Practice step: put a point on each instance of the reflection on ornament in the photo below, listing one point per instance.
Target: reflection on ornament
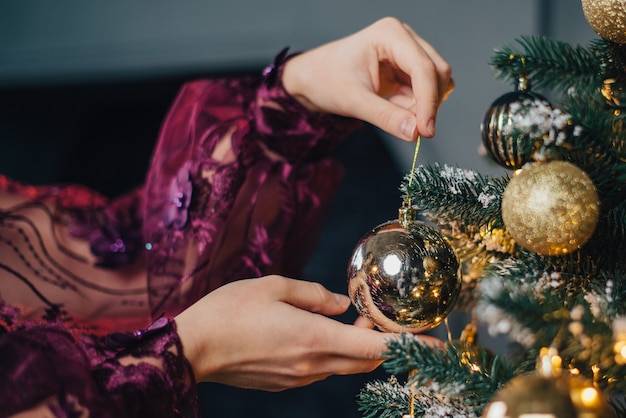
(607, 18)
(404, 279)
(550, 208)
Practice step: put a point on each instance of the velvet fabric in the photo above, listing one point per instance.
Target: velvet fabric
(238, 186)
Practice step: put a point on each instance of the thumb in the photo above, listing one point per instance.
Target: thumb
(313, 297)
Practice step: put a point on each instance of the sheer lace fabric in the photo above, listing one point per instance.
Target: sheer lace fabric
(239, 184)
(50, 371)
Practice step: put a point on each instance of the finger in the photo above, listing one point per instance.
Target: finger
(413, 60)
(355, 342)
(366, 344)
(345, 365)
(363, 322)
(444, 71)
(449, 90)
(430, 76)
(430, 340)
(405, 102)
(337, 364)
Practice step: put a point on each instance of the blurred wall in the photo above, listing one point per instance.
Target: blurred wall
(77, 41)
(44, 42)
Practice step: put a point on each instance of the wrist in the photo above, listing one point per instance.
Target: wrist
(295, 79)
(190, 346)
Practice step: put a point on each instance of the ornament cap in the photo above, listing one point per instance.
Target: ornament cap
(523, 84)
(406, 215)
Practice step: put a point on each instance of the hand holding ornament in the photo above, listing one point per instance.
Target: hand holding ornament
(273, 333)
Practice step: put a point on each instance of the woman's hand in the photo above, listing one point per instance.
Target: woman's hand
(273, 334)
(384, 74)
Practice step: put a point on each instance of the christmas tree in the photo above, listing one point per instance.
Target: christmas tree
(542, 250)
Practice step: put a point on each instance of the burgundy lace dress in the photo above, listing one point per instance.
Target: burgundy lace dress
(238, 186)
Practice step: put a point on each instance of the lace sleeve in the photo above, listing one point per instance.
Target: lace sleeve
(50, 371)
(239, 186)
(66, 247)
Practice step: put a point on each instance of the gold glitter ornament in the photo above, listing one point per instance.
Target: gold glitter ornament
(404, 276)
(607, 18)
(550, 208)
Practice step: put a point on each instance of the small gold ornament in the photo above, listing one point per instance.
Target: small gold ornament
(534, 395)
(550, 208)
(607, 18)
(548, 392)
(404, 276)
(508, 142)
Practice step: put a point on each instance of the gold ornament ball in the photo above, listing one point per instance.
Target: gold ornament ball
(550, 208)
(607, 18)
(535, 395)
(404, 279)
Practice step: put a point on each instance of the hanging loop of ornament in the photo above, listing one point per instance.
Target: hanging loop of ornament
(406, 214)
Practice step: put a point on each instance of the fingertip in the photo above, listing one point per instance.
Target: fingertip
(429, 340)
(363, 322)
(408, 128)
(430, 128)
(342, 300)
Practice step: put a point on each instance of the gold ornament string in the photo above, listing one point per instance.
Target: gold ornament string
(417, 148)
(406, 214)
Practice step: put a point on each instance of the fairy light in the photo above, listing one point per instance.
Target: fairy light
(549, 362)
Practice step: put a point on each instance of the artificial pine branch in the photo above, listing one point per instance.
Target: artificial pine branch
(380, 399)
(459, 370)
(464, 203)
(579, 74)
(611, 57)
(547, 309)
(391, 400)
(549, 64)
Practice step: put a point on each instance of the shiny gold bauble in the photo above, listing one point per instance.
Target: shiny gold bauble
(607, 18)
(404, 279)
(534, 395)
(550, 208)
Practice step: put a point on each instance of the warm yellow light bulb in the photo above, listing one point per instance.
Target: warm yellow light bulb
(589, 397)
